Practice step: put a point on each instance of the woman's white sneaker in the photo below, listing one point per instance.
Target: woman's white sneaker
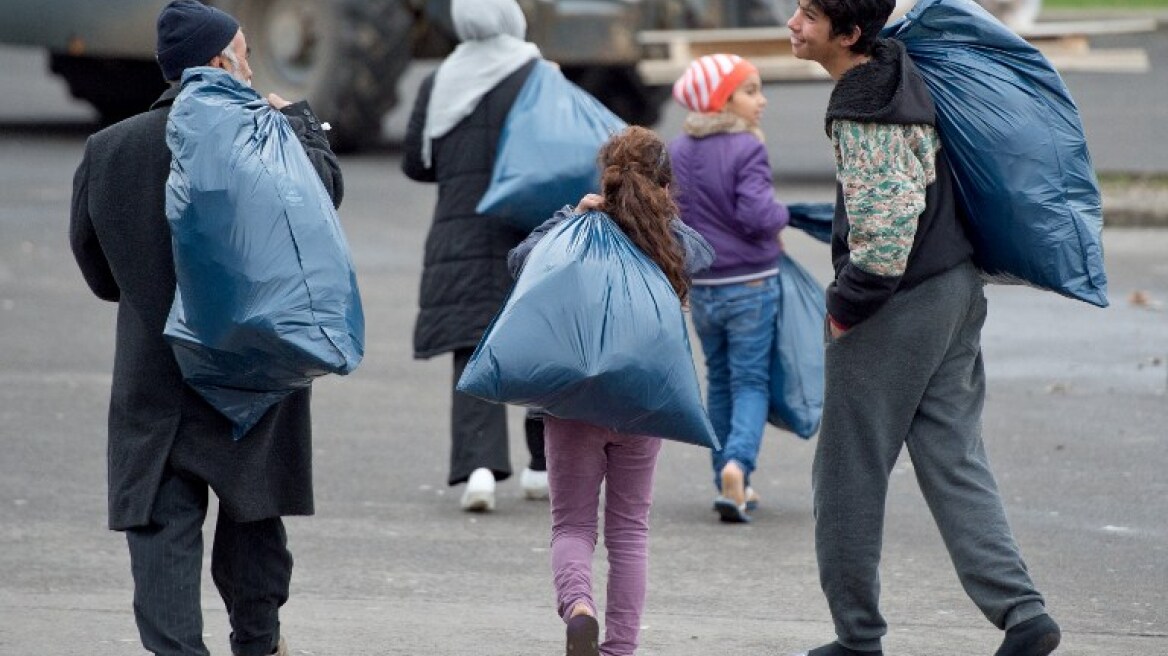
(534, 483)
(479, 495)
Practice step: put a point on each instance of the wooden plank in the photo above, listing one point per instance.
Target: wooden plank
(770, 69)
(1065, 43)
(1111, 60)
(1041, 30)
(1100, 27)
(722, 34)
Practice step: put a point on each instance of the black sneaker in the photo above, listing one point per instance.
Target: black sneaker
(836, 649)
(1037, 636)
(730, 512)
(583, 636)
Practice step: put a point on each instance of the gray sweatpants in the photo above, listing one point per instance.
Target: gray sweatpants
(912, 375)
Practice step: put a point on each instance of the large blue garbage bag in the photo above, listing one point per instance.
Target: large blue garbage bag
(593, 331)
(266, 296)
(796, 392)
(547, 149)
(1017, 147)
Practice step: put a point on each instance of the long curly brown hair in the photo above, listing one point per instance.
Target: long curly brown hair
(634, 178)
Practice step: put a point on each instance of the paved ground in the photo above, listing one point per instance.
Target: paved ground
(1078, 402)
(1074, 424)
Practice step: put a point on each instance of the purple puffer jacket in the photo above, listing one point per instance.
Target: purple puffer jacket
(723, 186)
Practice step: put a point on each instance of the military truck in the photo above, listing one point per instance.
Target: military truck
(346, 56)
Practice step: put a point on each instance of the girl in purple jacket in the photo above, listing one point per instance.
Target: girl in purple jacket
(723, 187)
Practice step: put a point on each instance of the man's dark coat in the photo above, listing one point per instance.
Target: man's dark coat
(121, 240)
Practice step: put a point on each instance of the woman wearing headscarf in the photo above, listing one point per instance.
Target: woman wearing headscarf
(452, 137)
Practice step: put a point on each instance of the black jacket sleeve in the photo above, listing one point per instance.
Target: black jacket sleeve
(412, 164)
(316, 145)
(87, 249)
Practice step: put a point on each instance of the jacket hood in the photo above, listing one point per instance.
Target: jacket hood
(886, 89)
(479, 20)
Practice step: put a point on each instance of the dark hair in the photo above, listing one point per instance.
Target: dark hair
(846, 15)
(634, 174)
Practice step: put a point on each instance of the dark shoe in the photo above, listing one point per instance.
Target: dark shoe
(731, 504)
(836, 649)
(281, 648)
(1037, 636)
(583, 636)
(730, 512)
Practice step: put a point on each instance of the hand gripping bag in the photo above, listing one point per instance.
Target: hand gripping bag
(547, 149)
(593, 331)
(266, 296)
(796, 386)
(1016, 143)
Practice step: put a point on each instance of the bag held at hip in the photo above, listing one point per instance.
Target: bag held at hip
(593, 331)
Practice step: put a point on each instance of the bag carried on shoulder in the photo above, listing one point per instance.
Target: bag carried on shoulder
(796, 398)
(266, 296)
(1017, 147)
(593, 331)
(547, 149)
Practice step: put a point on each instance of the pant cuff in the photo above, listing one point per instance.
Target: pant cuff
(1024, 611)
(566, 611)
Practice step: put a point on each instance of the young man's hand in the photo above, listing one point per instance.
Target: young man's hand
(836, 328)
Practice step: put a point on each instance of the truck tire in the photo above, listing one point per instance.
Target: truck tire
(343, 56)
(117, 88)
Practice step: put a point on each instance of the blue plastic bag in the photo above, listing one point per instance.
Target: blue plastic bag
(547, 150)
(593, 331)
(266, 296)
(813, 218)
(1017, 147)
(796, 398)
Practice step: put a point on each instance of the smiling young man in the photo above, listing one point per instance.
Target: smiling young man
(903, 361)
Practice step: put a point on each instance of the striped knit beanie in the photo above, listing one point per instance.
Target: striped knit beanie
(710, 80)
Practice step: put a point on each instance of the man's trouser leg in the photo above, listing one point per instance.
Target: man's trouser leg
(876, 375)
(252, 569)
(954, 474)
(166, 559)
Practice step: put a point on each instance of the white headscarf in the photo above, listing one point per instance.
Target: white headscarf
(492, 48)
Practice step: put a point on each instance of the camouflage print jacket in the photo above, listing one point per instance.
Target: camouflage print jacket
(897, 222)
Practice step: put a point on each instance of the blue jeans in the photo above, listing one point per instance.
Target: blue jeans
(736, 325)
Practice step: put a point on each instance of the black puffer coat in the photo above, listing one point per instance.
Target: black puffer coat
(464, 275)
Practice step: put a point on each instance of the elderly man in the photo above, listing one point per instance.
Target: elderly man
(167, 446)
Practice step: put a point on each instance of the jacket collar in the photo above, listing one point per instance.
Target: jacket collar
(167, 97)
(699, 125)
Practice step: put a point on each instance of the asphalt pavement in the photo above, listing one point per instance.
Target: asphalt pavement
(1074, 424)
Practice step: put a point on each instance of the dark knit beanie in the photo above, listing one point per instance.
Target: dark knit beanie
(190, 34)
